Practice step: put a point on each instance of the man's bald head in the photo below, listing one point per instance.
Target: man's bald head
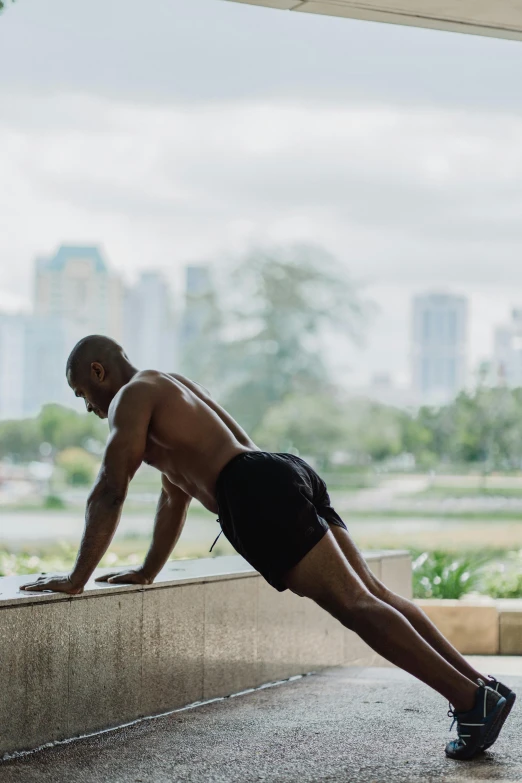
(94, 348)
(96, 370)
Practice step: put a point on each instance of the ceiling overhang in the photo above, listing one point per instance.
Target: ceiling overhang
(494, 18)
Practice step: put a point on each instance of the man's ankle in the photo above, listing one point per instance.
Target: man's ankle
(466, 703)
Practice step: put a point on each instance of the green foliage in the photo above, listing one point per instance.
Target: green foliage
(483, 427)
(504, 585)
(60, 559)
(313, 424)
(78, 466)
(54, 502)
(60, 427)
(20, 440)
(262, 340)
(34, 562)
(64, 428)
(441, 574)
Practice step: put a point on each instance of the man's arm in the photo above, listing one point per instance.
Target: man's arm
(171, 513)
(122, 458)
(200, 391)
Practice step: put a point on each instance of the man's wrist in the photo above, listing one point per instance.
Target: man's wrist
(76, 582)
(148, 573)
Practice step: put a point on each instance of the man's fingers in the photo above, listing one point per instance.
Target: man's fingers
(38, 587)
(125, 578)
(31, 585)
(105, 577)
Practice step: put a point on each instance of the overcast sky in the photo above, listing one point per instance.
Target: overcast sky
(188, 130)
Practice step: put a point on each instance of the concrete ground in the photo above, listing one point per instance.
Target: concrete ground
(355, 725)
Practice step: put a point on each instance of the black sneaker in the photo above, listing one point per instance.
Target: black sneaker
(478, 726)
(510, 698)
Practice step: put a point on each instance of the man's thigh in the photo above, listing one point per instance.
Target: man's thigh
(354, 556)
(325, 576)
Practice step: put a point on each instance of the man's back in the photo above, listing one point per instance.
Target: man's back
(189, 437)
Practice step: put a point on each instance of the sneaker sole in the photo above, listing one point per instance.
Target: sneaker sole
(510, 700)
(500, 708)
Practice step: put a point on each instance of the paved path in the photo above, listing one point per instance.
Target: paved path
(373, 725)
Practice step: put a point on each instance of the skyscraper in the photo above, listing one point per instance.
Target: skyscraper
(198, 290)
(76, 285)
(150, 336)
(75, 294)
(12, 365)
(507, 351)
(439, 346)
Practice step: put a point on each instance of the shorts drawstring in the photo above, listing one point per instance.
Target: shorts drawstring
(212, 547)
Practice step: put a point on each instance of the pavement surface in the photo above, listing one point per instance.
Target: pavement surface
(356, 725)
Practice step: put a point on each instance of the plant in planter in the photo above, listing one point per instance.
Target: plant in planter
(504, 579)
(441, 574)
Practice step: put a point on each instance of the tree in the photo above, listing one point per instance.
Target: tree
(313, 424)
(78, 466)
(283, 303)
(201, 327)
(63, 427)
(20, 440)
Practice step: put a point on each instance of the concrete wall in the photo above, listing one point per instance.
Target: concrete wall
(204, 629)
(478, 626)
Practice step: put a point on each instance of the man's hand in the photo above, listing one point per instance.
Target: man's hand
(133, 576)
(58, 584)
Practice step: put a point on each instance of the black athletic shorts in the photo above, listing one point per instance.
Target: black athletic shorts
(274, 509)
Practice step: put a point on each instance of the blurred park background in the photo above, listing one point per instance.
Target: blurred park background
(443, 481)
(317, 219)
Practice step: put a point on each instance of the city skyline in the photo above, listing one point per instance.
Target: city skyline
(153, 322)
(407, 168)
(388, 329)
(77, 292)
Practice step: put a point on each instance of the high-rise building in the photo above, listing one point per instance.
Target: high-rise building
(48, 343)
(198, 291)
(439, 346)
(200, 328)
(150, 335)
(75, 294)
(77, 286)
(12, 365)
(507, 351)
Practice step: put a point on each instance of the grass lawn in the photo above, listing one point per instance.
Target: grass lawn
(440, 492)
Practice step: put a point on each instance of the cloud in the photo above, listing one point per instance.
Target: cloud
(399, 194)
(190, 131)
(211, 51)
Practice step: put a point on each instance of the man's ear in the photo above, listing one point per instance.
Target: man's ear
(97, 371)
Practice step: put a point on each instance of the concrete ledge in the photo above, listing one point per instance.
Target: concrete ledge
(206, 628)
(478, 626)
(471, 626)
(510, 626)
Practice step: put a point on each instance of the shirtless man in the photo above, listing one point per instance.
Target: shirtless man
(273, 508)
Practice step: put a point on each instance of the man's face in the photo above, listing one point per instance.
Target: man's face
(93, 400)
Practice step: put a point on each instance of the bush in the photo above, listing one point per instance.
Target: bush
(54, 502)
(444, 575)
(508, 586)
(78, 465)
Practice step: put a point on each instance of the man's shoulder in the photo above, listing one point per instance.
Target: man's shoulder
(190, 384)
(140, 391)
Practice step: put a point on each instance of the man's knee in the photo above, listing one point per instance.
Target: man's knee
(351, 608)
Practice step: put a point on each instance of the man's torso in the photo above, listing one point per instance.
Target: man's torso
(187, 440)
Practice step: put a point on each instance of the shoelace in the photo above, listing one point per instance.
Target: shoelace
(453, 714)
(212, 547)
